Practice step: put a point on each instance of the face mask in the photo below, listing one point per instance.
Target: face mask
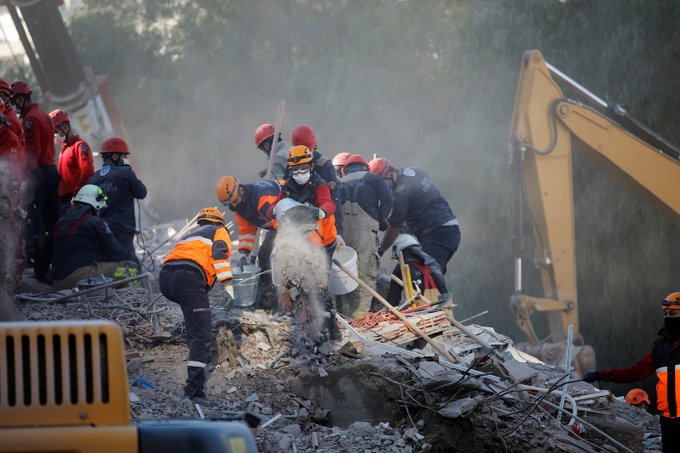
(302, 177)
(672, 326)
(58, 139)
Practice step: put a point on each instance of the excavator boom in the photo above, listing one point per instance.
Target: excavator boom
(544, 124)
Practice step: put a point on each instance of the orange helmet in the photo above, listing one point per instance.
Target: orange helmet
(303, 135)
(210, 215)
(671, 302)
(299, 155)
(379, 165)
(263, 132)
(355, 159)
(58, 117)
(114, 145)
(20, 87)
(227, 189)
(5, 88)
(637, 396)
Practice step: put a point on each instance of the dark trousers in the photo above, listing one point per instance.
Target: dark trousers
(441, 243)
(186, 286)
(670, 434)
(42, 214)
(266, 293)
(127, 240)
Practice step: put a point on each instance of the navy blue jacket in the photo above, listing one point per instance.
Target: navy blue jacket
(258, 199)
(418, 203)
(369, 191)
(82, 238)
(121, 186)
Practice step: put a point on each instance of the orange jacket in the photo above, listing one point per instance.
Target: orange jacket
(209, 246)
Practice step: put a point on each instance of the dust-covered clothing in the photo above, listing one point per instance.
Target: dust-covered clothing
(81, 239)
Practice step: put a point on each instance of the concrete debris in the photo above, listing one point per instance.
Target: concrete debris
(365, 393)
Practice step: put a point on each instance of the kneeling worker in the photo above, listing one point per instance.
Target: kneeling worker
(200, 258)
(84, 245)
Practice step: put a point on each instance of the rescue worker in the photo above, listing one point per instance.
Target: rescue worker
(638, 398)
(664, 360)
(10, 114)
(11, 147)
(43, 209)
(75, 161)
(420, 209)
(122, 186)
(339, 162)
(264, 139)
(83, 243)
(304, 185)
(198, 260)
(323, 166)
(367, 201)
(251, 204)
(422, 267)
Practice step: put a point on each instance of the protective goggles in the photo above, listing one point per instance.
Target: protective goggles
(670, 304)
(300, 169)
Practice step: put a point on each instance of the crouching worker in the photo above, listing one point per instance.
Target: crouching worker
(84, 245)
(190, 270)
(424, 269)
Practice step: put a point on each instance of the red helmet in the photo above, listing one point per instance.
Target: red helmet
(380, 166)
(114, 145)
(354, 159)
(5, 88)
(58, 117)
(340, 159)
(20, 87)
(263, 133)
(637, 396)
(303, 135)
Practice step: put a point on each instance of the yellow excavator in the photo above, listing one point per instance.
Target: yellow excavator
(544, 127)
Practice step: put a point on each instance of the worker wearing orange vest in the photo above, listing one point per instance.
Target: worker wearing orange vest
(75, 161)
(198, 260)
(306, 187)
(664, 360)
(250, 204)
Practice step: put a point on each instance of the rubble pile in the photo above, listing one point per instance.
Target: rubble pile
(374, 391)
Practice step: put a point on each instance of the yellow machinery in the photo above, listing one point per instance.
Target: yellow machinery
(64, 388)
(543, 125)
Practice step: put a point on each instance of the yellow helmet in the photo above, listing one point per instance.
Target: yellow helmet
(210, 215)
(227, 189)
(299, 155)
(671, 302)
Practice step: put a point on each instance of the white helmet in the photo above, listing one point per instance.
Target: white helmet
(92, 195)
(403, 241)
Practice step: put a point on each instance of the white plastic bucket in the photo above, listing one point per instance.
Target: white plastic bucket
(245, 285)
(339, 282)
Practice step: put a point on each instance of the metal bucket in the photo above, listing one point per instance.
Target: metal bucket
(339, 282)
(245, 284)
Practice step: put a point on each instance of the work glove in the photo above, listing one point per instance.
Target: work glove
(126, 162)
(591, 376)
(229, 289)
(242, 261)
(383, 225)
(381, 252)
(263, 173)
(321, 214)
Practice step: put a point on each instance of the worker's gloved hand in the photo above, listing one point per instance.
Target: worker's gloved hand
(383, 225)
(242, 261)
(591, 376)
(229, 289)
(125, 162)
(321, 214)
(381, 252)
(251, 259)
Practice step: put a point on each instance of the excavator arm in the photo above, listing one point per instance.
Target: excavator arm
(544, 124)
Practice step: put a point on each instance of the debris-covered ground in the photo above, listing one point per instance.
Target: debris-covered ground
(374, 391)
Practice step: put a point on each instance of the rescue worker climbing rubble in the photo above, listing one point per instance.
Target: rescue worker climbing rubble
(198, 260)
(84, 245)
(307, 187)
(323, 166)
(251, 204)
(367, 201)
(264, 139)
(75, 161)
(664, 360)
(119, 181)
(421, 210)
(42, 202)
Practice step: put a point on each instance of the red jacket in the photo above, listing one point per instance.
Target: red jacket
(11, 149)
(38, 138)
(15, 123)
(75, 166)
